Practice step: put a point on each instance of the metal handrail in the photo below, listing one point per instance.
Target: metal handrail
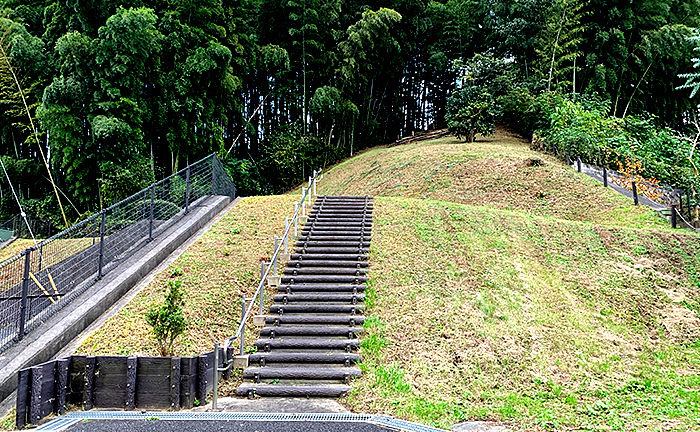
(280, 245)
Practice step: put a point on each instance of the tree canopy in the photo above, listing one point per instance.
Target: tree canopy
(126, 92)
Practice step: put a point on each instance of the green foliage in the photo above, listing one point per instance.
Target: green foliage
(119, 182)
(291, 156)
(245, 176)
(167, 320)
(692, 79)
(470, 110)
(584, 128)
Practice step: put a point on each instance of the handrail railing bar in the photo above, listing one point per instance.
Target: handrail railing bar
(265, 274)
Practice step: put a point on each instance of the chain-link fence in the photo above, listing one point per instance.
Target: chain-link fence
(35, 284)
(16, 227)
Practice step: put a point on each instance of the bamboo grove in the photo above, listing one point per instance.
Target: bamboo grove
(122, 93)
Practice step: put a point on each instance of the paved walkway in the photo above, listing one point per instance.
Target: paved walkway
(597, 173)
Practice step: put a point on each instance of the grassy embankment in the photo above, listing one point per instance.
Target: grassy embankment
(529, 295)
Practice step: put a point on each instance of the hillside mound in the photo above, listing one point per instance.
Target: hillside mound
(499, 171)
(476, 313)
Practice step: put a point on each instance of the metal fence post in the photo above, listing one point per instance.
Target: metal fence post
(215, 390)
(25, 293)
(150, 218)
(296, 209)
(568, 160)
(634, 192)
(213, 175)
(242, 336)
(315, 175)
(286, 230)
(673, 216)
(102, 246)
(578, 163)
(605, 176)
(187, 190)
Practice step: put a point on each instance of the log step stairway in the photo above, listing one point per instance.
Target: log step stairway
(312, 332)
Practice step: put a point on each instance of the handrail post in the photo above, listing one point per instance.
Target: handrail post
(262, 289)
(296, 210)
(634, 192)
(673, 216)
(102, 245)
(275, 263)
(215, 390)
(242, 336)
(578, 163)
(187, 190)
(25, 293)
(150, 219)
(286, 230)
(308, 192)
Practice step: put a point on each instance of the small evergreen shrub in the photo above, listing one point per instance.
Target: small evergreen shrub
(167, 320)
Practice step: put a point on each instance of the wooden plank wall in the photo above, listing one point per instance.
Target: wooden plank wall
(116, 382)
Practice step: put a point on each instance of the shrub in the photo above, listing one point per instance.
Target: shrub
(470, 110)
(167, 320)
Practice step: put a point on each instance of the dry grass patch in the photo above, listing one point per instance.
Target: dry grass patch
(548, 324)
(17, 246)
(218, 269)
(495, 171)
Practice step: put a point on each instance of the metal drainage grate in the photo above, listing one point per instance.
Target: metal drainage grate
(59, 424)
(63, 423)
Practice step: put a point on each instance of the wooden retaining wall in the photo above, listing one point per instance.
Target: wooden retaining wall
(116, 382)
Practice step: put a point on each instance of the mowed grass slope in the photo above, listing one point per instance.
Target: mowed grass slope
(491, 172)
(478, 313)
(217, 270)
(484, 304)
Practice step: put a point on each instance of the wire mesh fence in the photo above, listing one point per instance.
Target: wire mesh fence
(25, 227)
(37, 283)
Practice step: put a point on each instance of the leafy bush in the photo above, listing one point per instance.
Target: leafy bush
(291, 156)
(581, 126)
(245, 176)
(528, 113)
(167, 320)
(470, 110)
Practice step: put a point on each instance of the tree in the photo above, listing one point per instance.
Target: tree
(470, 110)
(557, 43)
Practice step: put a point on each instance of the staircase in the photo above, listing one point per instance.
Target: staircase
(309, 342)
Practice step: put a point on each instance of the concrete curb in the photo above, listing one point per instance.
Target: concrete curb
(40, 346)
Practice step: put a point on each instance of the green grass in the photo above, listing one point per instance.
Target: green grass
(525, 295)
(490, 172)
(478, 313)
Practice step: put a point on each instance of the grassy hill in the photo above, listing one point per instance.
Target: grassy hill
(528, 295)
(487, 314)
(496, 172)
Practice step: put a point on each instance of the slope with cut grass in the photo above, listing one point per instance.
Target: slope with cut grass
(498, 292)
(496, 171)
(479, 313)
